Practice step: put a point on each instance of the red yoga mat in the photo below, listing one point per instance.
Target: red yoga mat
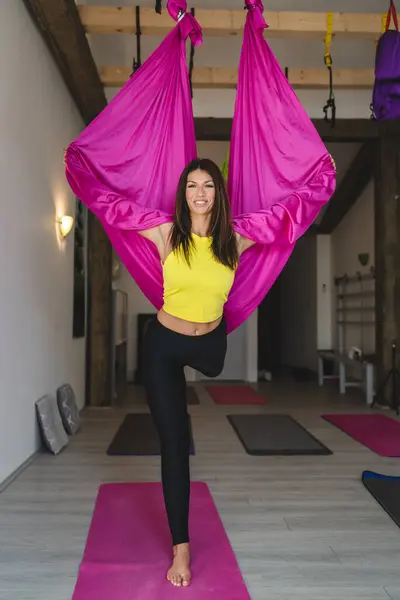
(128, 550)
(379, 433)
(234, 394)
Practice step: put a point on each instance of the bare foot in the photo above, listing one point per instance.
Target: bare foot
(179, 573)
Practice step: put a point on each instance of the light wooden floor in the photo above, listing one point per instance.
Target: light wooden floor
(302, 528)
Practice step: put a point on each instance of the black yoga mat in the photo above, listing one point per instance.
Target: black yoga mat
(386, 490)
(137, 436)
(263, 435)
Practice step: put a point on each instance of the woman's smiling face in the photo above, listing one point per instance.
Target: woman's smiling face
(200, 192)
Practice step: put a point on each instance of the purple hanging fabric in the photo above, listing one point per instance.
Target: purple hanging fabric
(280, 173)
(126, 164)
(386, 93)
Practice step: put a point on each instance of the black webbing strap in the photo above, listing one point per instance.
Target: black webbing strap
(331, 103)
(137, 62)
(191, 63)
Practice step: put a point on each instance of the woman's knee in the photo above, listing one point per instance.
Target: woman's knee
(214, 369)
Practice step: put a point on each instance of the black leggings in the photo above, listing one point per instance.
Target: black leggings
(165, 355)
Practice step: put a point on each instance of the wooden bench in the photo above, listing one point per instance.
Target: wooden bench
(342, 361)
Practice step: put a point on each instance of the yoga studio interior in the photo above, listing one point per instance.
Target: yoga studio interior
(295, 444)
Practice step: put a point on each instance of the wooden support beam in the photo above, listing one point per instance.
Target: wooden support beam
(99, 337)
(345, 130)
(353, 184)
(202, 77)
(122, 19)
(61, 28)
(342, 78)
(224, 78)
(387, 256)
(213, 129)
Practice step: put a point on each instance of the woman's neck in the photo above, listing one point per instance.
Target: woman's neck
(200, 226)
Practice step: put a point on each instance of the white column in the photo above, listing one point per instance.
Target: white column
(324, 293)
(252, 347)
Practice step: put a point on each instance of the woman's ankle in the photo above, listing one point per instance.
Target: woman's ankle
(181, 547)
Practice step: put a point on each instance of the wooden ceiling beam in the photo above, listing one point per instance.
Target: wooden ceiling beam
(345, 130)
(224, 78)
(61, 28)
(357, 177)
(122, 20)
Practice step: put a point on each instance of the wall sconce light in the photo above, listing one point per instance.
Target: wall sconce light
(65, 224)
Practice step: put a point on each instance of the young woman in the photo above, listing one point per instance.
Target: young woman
(199, 253)
(280, 178)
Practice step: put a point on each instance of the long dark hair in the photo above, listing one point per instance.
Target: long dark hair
(224, 244)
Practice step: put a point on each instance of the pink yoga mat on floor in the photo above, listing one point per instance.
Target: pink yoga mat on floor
(234, 394)
(377, 432)
(128, 550)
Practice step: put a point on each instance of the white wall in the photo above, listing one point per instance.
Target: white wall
(216, 151)
(37, 120)
(336, 255)
(355, 235)
(299, 306)
(347, 240)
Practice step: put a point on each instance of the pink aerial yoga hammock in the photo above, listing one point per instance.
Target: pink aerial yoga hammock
(126, 164)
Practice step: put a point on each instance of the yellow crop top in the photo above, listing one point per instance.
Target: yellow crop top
(196, 292)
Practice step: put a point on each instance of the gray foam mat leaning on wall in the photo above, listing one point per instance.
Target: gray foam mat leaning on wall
(68, 409)
(50, 423)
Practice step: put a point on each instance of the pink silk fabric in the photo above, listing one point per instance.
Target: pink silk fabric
(126, 164)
